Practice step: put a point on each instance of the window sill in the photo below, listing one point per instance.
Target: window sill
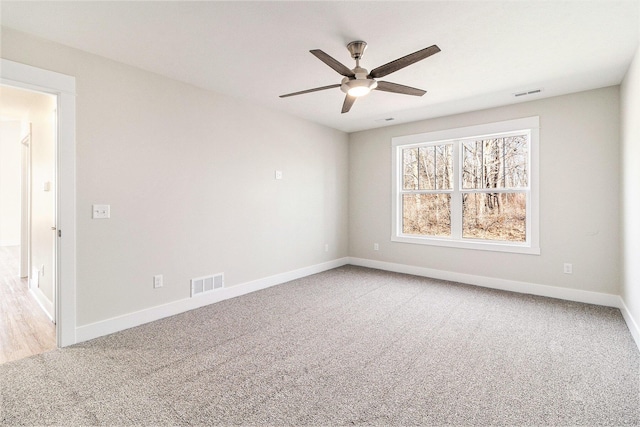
(516, 248)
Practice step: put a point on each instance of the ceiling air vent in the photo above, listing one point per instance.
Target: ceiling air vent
(527, 92)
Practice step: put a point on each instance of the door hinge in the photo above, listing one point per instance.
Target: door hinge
(59, 233)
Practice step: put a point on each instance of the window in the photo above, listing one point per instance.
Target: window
(472, 187)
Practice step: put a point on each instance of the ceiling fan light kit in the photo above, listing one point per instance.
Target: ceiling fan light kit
(358, 87)
(359, 82)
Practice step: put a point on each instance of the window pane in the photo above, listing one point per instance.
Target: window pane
(436, 167)
(427, 168)
(495, 163)
(495, 216)
(410, 169)
(444, 167)
(516, 161)
(426, 214)
(472, 164)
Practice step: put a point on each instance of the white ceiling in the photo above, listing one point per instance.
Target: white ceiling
(259, 50)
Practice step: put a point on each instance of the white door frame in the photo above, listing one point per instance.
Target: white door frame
(33, 78)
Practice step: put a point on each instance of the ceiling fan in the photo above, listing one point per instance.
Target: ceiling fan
(358, 82)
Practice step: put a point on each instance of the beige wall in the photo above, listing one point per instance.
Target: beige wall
(630, 107)
(189, 175)
(579, 196)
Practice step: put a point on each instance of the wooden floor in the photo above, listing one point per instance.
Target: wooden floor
(24, 328)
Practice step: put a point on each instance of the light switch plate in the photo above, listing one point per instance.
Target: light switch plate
(101, 211)
(278, 174)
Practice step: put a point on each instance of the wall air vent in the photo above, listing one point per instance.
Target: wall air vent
(527, 92)
(206, 284)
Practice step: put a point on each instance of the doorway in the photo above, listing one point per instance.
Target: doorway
(63, 270)
(28, 250)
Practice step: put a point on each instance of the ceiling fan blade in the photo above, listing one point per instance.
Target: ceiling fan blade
(348, 103)
(405, 61)
(333, 63)
(396, 88)
(310, 90)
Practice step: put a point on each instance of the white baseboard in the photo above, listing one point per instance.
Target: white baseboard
(115, 324)
(577, 295)
(43, 302)
(631, 323)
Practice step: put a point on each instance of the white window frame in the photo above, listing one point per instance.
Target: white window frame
(529, 125)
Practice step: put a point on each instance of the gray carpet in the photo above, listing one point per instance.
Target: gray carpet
(347, 346)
